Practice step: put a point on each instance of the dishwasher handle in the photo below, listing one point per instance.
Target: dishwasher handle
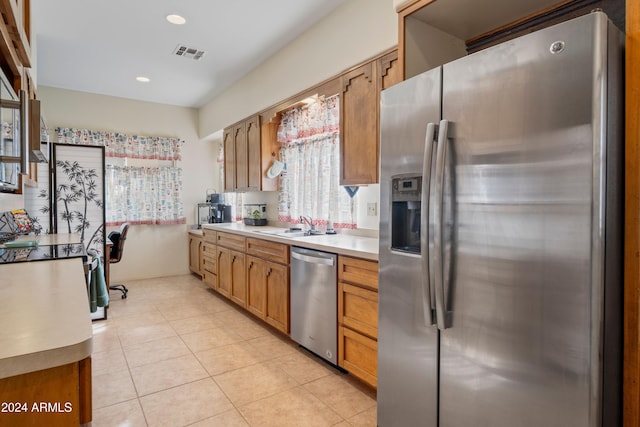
(312, 258)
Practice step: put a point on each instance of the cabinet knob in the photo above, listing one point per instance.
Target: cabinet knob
(269, 272)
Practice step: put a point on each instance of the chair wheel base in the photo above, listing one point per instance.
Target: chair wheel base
(121, 288)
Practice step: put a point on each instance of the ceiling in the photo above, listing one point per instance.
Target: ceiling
(99, 46)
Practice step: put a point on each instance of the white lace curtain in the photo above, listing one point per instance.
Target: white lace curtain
(141, 195)
(309, 185)
(137, 194)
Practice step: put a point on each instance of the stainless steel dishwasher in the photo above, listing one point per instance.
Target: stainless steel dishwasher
(314, 305)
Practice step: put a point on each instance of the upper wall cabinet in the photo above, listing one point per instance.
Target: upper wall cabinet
(14, 44)
(432, 33)
(359, 118)
(249, 148)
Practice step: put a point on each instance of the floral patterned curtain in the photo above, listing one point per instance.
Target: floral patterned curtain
(138, 195)
(125, 146)
(309, 185)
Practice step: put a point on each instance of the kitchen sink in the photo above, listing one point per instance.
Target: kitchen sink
(286, 233)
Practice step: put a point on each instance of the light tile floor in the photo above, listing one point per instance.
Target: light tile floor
(175, 353)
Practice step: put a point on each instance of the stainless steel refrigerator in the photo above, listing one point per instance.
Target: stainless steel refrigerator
(501, 194)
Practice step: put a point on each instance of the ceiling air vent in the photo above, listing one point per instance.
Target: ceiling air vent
(188, 52)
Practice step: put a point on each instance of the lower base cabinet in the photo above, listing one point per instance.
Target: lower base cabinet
(358, 354)
(195, 254)
(209, 260)
(358, 318)
(268, 282)
(54, 397)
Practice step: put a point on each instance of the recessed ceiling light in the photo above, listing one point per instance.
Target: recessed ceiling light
(143, 79)
(176, 19)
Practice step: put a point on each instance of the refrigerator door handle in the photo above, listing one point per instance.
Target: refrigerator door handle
(437, 256)
(427, 303)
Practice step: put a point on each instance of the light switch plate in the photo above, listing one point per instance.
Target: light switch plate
(372, 209)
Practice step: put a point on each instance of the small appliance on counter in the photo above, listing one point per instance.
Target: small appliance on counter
(213, 211)
(255, 214)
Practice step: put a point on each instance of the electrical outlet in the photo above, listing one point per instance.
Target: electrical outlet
(372, 209)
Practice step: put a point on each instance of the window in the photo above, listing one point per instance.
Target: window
(309, 184)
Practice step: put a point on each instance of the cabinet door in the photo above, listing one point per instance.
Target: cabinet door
(388, 70)
(254, 149)
(195, 244)
(224, 271)
(277, 284)
(240, 143)
(256, 287)
(359, 127)
(238, 278)
(358, 354)
(229, 161)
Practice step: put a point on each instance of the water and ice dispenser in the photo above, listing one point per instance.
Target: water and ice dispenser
(405, 213)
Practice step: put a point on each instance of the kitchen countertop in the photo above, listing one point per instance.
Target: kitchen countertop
(342, 244)
(44, 316)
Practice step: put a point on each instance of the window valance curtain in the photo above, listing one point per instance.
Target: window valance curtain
(137, 194)
(310, 183)
(126, 146)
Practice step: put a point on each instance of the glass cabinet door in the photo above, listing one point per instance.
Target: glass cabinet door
(10, 143)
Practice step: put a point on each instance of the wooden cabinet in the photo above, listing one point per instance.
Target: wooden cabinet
(358, 318)
(253, 171)
(389, 72)
(238, 282)
(195, 254)
(359, 118)
(249, 149)
(256, 289)
(241, 149)
(268, 282)
(223, 260)
(230, 259)
(209, 260)
(229, 161)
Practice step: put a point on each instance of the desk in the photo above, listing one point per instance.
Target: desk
(45, 341)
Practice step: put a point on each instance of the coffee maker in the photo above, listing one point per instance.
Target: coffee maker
(219, 212)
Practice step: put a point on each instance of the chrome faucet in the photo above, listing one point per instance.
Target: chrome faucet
(307, 220)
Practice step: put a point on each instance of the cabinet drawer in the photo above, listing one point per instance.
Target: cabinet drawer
(358, 309)
(231, 241)
(208, 250)
(209, 236)
(358, 271)
(210, 261)
(358, 355)
(211, 279)
(272, 251)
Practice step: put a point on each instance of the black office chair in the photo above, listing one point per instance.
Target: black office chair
(118, 238)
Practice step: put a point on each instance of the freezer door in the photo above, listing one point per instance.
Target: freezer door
(525, 230)
(407, 341)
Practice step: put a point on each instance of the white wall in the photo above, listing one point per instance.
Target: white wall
(150, 251)
(356, 31)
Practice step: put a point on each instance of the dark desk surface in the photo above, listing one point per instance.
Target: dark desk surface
(42, 253)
